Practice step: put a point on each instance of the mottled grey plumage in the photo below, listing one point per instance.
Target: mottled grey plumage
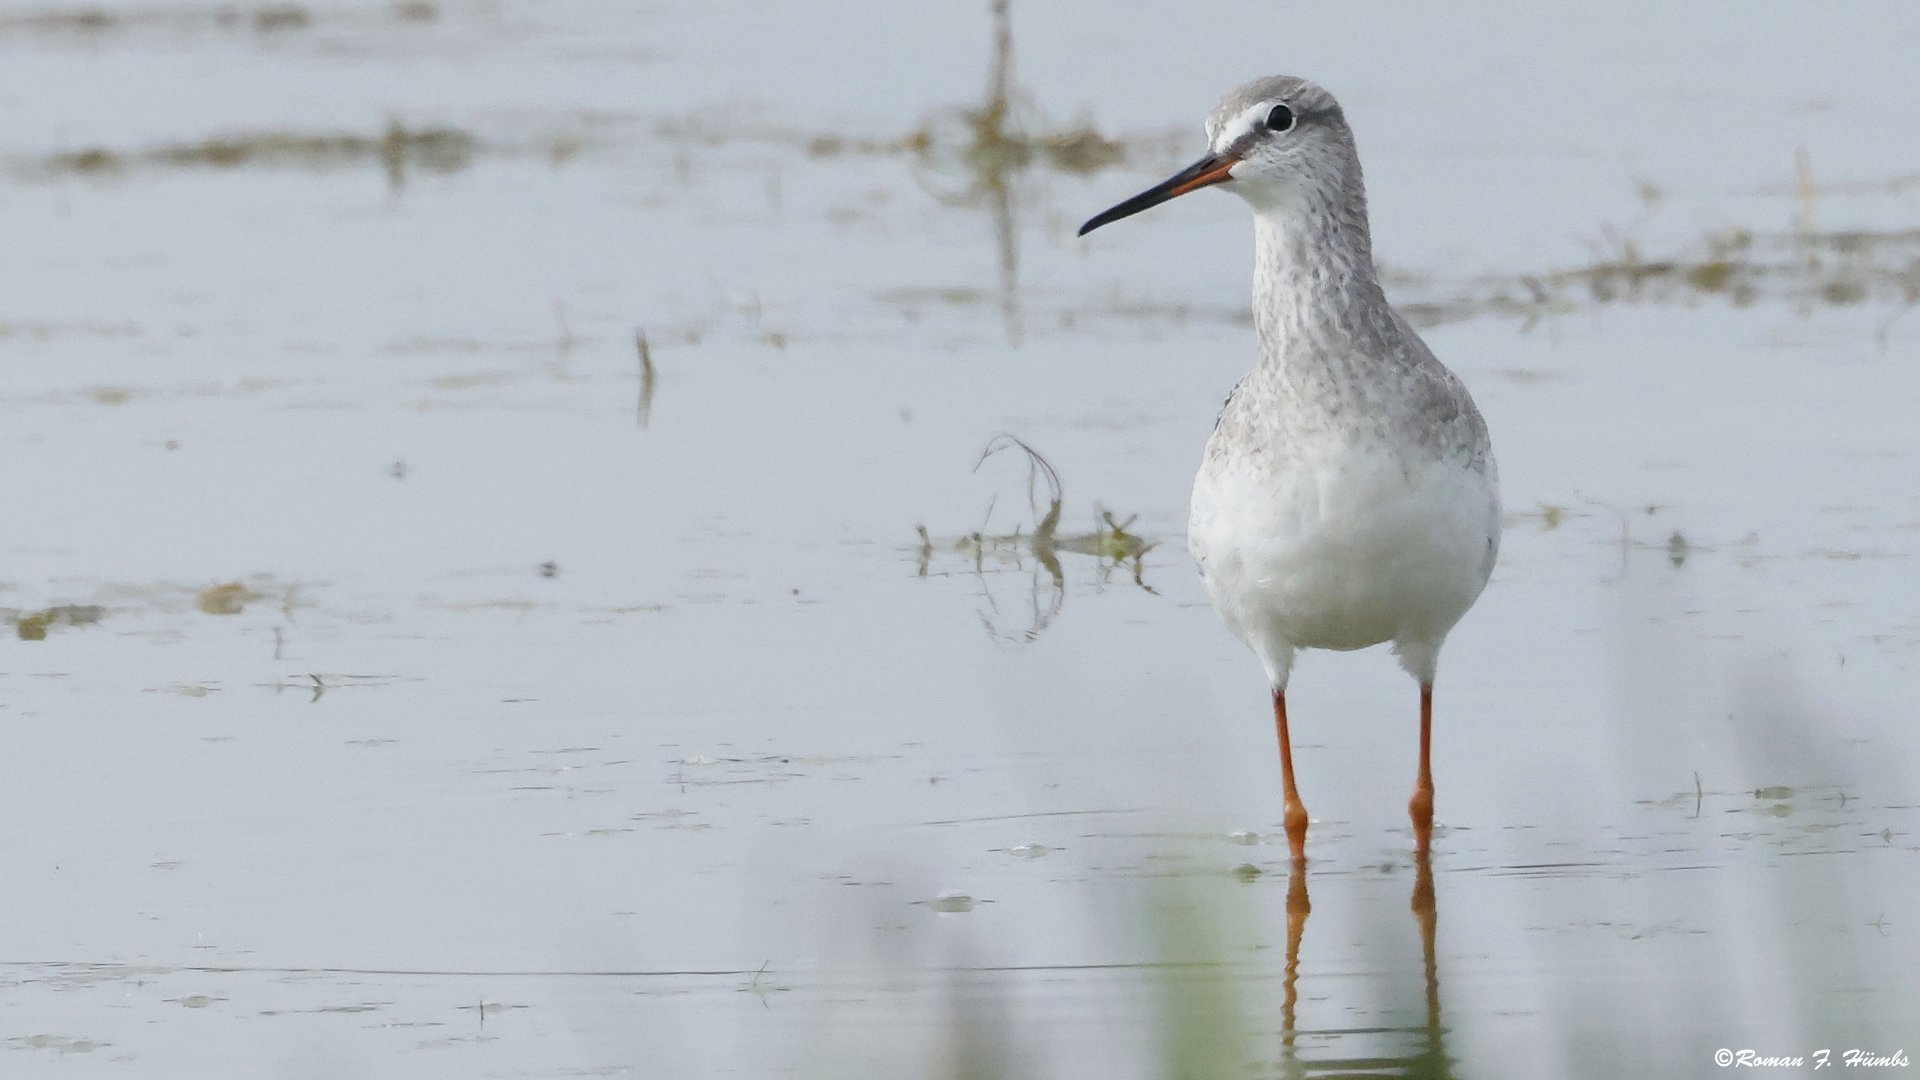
(1349, 456)
(1348, 494)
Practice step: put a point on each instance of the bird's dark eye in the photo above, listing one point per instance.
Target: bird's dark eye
(1280, 119)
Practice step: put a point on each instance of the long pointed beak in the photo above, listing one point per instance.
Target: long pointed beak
(1209, 170)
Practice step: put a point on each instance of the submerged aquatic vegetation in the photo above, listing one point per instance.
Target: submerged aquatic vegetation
(1000, 146)
(1737, 267)
(1111, 543)
(972, 156)
(436, 149)
(229, 599)
(260, 18)
(993, 139)
(282, 17)
(643, 412)
(399, 149)
(1741, 266)
(223, 598)
(33, 625)
(1800, 264)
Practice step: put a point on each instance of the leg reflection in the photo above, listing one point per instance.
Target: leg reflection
(1298, 908)
(1427, 1059)
(1432, 1061)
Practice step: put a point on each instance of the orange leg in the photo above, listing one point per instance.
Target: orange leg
(1420, 807)
(1296, 813)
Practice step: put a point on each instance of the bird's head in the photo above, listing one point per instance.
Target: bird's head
(1277, 142)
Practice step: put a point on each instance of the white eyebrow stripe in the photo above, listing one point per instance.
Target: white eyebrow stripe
(1251, 120)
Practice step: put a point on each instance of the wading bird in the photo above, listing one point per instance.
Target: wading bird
(1348, 495)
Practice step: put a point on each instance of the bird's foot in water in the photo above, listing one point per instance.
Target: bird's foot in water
(1420, 809)
(1296, 821)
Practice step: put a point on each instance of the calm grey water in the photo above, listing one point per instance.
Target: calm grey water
(570, 715)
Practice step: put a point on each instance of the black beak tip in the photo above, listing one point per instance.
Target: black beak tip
(1209, 170)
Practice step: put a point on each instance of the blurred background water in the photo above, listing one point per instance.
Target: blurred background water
(501, 578)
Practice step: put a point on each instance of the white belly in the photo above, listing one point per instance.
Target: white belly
(1342, 547)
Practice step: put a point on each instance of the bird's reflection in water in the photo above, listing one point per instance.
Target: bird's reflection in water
(1429, 1061)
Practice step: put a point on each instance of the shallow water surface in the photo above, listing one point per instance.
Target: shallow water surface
(500, 575)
